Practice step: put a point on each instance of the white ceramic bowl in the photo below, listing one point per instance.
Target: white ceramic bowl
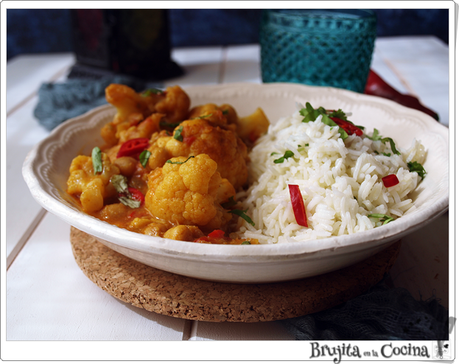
(46, 170)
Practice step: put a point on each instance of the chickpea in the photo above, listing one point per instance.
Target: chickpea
(127, 165)
(183, 232)
(155, 229)
(113, 211)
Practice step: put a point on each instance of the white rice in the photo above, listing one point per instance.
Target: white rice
(340, 181)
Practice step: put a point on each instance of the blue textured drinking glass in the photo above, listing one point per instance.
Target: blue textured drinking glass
(321, 47)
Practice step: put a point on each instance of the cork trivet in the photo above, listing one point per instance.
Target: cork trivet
(194, 299)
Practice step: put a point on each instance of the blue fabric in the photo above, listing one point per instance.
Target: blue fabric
(383, 313)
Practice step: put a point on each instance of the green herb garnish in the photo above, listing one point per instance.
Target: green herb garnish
(178, 134)
(392, 145)
(418, 168)
(376, 137)
(311, 114)
(287, 154)
(119, 182)
(242, 214)
(121, 186)
(229, 203)
(170, 162)
(165, 124)
(151, 91)
(202, 116)
(144, 156)
(246, 243)
(385, 219)
(96, 156)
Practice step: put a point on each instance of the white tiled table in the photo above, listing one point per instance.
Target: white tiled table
(47, 295)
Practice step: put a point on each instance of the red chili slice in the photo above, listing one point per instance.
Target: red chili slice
(298, 205)
(133, 147)
(202, 239)
(390, 180)
(347, 126)
(216, 234)
(136, 194)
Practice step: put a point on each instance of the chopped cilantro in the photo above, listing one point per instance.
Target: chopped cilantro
(178, 134)
(287, 154)
(165, 124)
(385, 219)
(311, 114)
(376, 137)
(418, 168)
(121, 186)
(151, 91)
(242, 214)
(96, 156)
(170, 162)
(229, 203)
(144, 156)
(203, 116)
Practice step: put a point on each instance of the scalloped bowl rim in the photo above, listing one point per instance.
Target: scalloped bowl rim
(232, 253)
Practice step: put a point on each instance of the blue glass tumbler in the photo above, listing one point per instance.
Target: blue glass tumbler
(321, 47)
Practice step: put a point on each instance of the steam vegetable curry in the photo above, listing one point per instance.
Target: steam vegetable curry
(166, 169)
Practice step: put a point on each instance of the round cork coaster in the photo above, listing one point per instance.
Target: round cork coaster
(189, 298)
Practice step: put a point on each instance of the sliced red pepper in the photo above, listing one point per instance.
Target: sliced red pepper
(217, 234)
(377, 86)
(390, 180)
(201, 239)
(215, 237)
(298, 205)
(133, 147)
(136, 194)
(347, 126)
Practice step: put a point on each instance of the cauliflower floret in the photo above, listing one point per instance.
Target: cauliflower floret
(132, 108)
(224, 115)
(159, 155)
(127, 101)
(175, 105)
(91, 188)
(248, 128)
(198, 136)
(186, 191)
(144, 129)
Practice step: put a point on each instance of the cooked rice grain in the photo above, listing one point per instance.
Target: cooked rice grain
(340, 181)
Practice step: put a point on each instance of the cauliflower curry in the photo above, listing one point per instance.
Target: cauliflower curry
(166, 169)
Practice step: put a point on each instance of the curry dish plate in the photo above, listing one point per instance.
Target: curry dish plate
(46, 170)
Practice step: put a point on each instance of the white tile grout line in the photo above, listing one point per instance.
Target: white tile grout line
(34, 224)
(222, 68)
(25, 238)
